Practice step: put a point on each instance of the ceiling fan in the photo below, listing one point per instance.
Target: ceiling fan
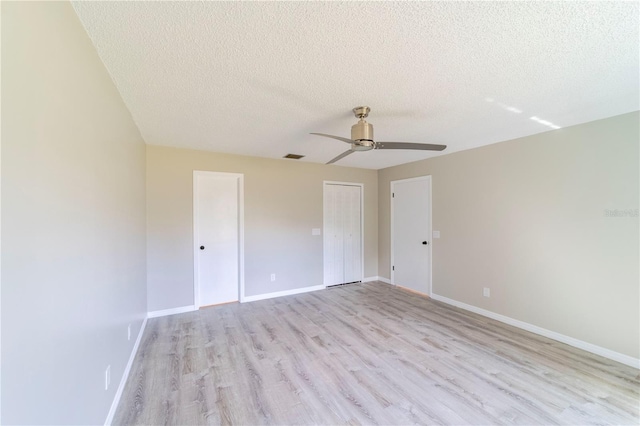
(362, 138)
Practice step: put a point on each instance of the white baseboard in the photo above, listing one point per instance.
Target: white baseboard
(385, 280)
(282, 293)
(580, 344)
(125, 376)
(376, 278)
(172, 311)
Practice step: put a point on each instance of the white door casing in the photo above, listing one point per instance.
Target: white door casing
(218, 236)
(343, 232)
(410, 230)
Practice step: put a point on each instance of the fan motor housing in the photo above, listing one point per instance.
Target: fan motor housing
(362, 131)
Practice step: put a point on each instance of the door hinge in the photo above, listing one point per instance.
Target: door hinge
(393, 195)
(393, 268)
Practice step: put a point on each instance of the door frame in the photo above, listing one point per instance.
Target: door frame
(361, 185)
(393, 183)
(196, 265)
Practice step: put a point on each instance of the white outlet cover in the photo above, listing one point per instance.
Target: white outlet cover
(436, 234)
(486, 292)
(315, 231)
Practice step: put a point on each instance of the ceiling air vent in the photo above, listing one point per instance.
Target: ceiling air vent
(293, 156)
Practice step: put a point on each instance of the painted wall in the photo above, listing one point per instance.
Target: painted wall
(528, 219)
(73, 221)
(283, 202)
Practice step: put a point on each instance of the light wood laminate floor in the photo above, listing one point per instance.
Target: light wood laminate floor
(365, 354)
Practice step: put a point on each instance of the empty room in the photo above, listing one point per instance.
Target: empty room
(320, 213)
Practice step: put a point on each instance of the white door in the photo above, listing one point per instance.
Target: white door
(342, 233)
(411, 234)
(216, 237)
(333, 243)
(351, 235)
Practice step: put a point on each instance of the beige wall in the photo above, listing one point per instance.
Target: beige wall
(526, 218)
(73, 221)
(283, 202)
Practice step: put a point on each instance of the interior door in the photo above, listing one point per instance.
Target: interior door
(411, 234)
(342, 233)
(216, 236)
(351, 234)
(332, 241)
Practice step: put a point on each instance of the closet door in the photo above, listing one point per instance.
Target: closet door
(342, 234)
(333, 247)
(351, 234)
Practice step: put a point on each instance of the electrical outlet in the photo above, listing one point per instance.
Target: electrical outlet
(129, 332)
(107, 377)
(273, 277)
(486, 292)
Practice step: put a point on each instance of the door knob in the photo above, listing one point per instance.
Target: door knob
(201, 247)
(425, 243)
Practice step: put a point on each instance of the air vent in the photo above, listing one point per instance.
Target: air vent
(293, 156)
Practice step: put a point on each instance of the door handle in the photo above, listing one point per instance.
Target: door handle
(201, 247)
(425, 243)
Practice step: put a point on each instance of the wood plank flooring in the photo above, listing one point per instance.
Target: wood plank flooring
(365, 354)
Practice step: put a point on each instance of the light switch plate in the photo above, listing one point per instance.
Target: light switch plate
(315, 231)
(436, 234)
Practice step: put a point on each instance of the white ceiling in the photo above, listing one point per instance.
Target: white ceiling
(255, 78)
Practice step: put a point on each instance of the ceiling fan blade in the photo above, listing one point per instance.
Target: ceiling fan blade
(407, 145)
(341, 156)
(333, 137)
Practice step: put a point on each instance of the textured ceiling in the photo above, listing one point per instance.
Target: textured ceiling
(254, 78)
